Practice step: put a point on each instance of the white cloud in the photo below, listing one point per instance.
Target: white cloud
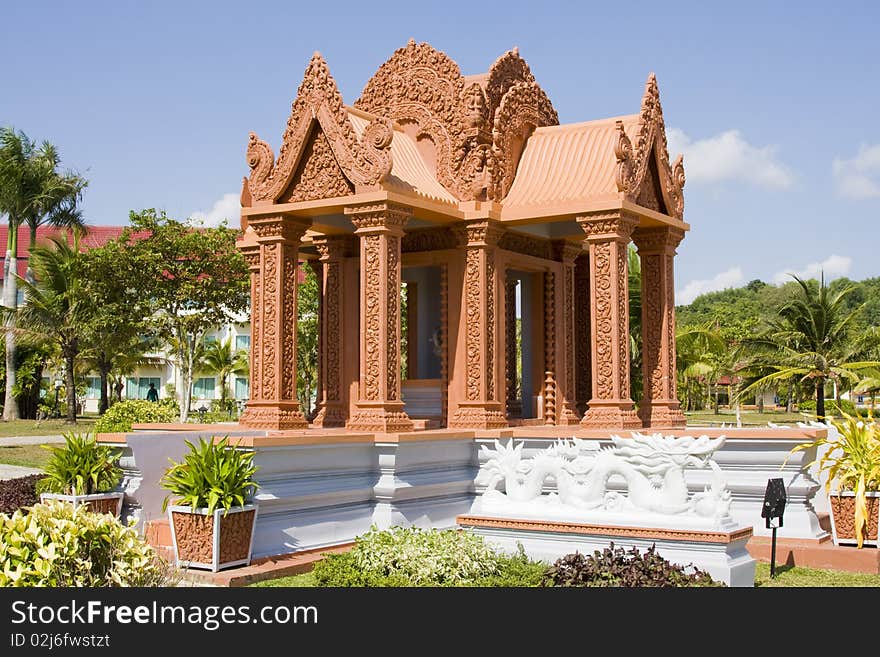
(731, 278)
(228, 207)
(834, 266)
(858, 177)
(727, 156)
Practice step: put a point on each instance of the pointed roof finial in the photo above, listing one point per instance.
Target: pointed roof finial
(515, 50)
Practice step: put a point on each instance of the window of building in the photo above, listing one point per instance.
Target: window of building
(243, 342)
(93, 387)
(242, 389)
(137, 387)
(203, 388)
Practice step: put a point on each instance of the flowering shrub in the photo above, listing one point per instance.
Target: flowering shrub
(57, 545)
(425, 557)
(122, 415)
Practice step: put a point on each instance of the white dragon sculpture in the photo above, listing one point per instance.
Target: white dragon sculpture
(652, 466)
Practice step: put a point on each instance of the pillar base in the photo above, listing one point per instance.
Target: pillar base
(477, 417)
(568, 416)
(611, 415)
(329, 415)
(662, 414)
(380, 420)
(273, 415)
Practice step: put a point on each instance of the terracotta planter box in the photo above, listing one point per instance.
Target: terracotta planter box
(843, 505)
(96, 503)
(212, 540)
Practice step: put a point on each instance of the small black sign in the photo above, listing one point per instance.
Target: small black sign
(774, 501)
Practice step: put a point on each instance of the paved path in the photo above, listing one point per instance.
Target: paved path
(16, 471)
(8, 441)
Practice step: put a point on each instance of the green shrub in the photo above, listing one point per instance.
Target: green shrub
(57, 545)
(617, 567)
(426, 557)
(81, 467)
(122, 415)
(212, 475)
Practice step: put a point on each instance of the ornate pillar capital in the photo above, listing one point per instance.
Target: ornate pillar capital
(662, 240)
(382, 217)
(278, 228)
(566, 252)
(614, 225)
(331, 248)
(480, 233)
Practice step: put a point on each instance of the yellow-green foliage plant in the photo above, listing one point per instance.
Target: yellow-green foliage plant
(852, 461)
(81, 467)
(54, 544)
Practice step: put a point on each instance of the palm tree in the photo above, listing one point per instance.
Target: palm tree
(812, 340)
(699, 356)
(222, 359)
(56, 306)
(120, 355)
(32, 192)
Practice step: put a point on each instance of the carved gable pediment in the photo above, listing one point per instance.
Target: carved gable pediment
(318, 174)
(365, 161)
(644, 173)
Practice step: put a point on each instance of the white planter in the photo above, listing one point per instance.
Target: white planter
(843, 528)
(214, 541)
(93, 501)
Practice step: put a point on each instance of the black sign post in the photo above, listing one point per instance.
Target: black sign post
(774, 507)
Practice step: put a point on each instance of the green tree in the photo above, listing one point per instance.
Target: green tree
(700, 356)
(811, 340)
(222, 359)
(193, 279)
(32, 192)
(56, 307)
(117, 329)
(307, 339)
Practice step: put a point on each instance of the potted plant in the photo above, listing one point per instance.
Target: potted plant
(83, 472)
(212, 519)
(851, 461)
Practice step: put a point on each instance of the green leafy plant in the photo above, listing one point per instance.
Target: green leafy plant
(425, 557)
(615, 566)
(54, 544)
(211, 476)
(122, 415)
(81, 467)
(852, 461)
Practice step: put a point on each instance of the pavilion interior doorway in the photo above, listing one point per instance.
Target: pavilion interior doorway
(421, 348)
(526, 373)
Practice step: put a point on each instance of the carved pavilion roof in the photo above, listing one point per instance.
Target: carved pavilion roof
(421, 129)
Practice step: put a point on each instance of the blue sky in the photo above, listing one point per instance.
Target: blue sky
(773, 104)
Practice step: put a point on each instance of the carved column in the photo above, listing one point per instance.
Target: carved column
(608, 235)
(444, 343)
(583, 354)
(379, 405)
(514, 401)
(549, 389)
(659, 407)
(273, 403)
(330, 411)
(566, 395)
(481, 408)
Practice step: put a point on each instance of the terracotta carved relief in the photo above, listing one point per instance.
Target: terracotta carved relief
(289, 313)
(317, 175)
(444, 342)
(474, 316)
(583, 371)
(476, 131)
(428, 239)
(622, 322)
(602, 347)
(392, 310)
(567, 253)
(526, 245)
(372, 318)
(365, 162)
(270, 319)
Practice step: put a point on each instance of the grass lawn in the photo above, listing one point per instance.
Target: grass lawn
(31, 456)
(786, 576)
(45, 427)
(748, 418)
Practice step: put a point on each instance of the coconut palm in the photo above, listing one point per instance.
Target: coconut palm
(32, 192)
(812, 341)
(222, 359)
(56, 305)
(699, 356)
